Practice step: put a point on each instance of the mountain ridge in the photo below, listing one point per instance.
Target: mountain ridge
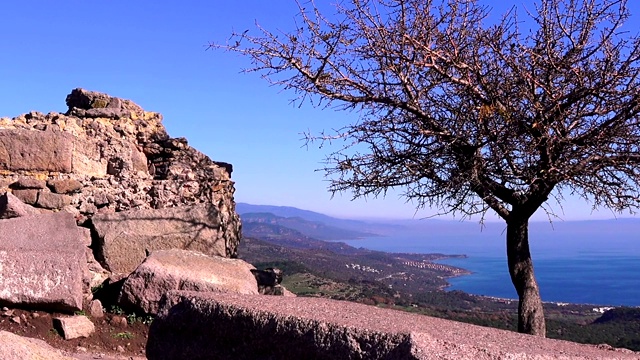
(314, 229)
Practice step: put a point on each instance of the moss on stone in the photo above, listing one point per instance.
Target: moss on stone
(99, 103)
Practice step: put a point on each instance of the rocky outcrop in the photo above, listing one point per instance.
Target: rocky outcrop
(169, 270)
(119, 186)
(42, 262)
(221, 326)
(107, 155)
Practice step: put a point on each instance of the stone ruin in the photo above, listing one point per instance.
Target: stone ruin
(105, 183)
(107, 155)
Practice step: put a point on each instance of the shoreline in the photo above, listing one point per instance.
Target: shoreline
(456, 272)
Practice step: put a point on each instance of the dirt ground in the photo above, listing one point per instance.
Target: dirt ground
(115, 335)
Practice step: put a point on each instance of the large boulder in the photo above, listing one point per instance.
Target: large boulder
(15, 347)
(200, 325)
(123, 238)
(42, 262)
(168, 270)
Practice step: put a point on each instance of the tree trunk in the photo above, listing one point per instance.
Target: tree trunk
(530, 313)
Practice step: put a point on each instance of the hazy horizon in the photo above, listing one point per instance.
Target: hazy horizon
(442, 218)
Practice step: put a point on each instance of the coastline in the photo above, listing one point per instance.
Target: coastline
(571, 267)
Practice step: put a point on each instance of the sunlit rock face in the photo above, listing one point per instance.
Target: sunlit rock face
(107, 155)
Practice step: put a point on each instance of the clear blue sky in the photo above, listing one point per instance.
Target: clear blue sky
(153, 52)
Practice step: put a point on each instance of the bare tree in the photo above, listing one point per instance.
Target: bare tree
(469, 115)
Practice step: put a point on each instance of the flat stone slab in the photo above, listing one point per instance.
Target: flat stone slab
(124, 237)
(42, 262)
(35, 150)
(209, 325)
(167, 270)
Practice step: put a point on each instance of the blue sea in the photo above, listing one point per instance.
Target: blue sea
(589, 262)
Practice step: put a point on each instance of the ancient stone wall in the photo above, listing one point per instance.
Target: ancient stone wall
(107, 155)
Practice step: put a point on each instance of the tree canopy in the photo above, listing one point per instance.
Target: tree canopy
(468, 112)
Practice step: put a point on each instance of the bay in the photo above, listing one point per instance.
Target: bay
(586, 262)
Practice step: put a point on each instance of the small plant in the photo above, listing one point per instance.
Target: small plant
(53, 332)
(147, 320)
(80, 312)
(116, 310)
(97, 288)
(125, 335)
(133, 318)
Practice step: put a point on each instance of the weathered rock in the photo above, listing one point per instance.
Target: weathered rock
(91, 100)
(277, 290)
(42, 262)
(64, 186)
(268, 277)
(28, 196)
(167, 270)
(269, 281)
(49, 200)
(108, 155)
(85, 236)
(28, 183)
(95, 309)
(11, 207)
(123, 237)
(35, 150)
(119, 321)
(73, 327)
(14, 347)
(97, 274)
(196, 325)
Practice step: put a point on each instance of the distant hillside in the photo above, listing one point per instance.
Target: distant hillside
(313, 229)
(284, 211)
(293, 239)
(380, 228)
